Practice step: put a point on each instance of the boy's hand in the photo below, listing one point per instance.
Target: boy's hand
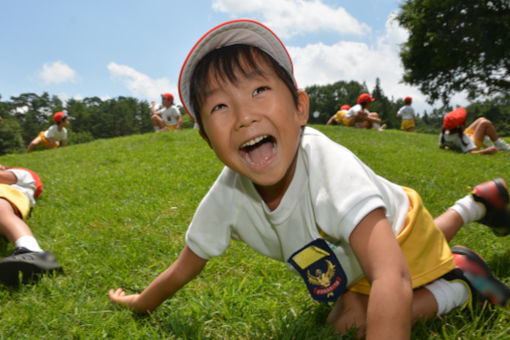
(119, 296)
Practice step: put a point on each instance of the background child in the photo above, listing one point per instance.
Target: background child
(360, 116)
(294, 195)
(53, 137)
(406, 113)
(168, 118)
(18, 190)
(456, 136)
(339, 116)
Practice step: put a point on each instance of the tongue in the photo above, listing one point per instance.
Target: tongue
(261, 153)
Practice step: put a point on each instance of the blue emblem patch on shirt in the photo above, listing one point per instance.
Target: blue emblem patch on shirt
(321, 270)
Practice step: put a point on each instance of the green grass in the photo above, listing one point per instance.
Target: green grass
(115, 213)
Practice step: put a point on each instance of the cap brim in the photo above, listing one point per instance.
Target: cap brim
(243, 31)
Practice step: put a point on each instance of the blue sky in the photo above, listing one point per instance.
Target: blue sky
(111, 48)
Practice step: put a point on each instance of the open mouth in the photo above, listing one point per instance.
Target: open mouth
(258, 150)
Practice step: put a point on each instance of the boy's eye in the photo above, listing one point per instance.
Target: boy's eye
(218, 107)
(260, 90)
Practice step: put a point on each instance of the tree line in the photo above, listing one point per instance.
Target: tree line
(24, 116)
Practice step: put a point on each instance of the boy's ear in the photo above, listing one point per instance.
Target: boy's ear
(303, 107)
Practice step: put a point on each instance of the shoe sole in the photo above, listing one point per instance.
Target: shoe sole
(491, 288)
(11, 272)
(501, 186)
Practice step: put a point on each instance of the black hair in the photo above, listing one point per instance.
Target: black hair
(458, 130)
(224, 62)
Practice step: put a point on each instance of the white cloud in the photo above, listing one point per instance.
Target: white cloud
(57, 72)
(139, 84)
(320, 64)
(295, 17)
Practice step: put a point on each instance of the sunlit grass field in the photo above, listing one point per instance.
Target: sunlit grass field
(115, 212)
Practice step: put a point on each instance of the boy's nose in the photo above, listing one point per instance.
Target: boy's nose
(246, 117)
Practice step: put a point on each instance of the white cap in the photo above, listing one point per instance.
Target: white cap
(242, 31)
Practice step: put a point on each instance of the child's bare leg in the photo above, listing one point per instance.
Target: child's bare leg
(350, 311)
(483, 127)
(449, 223)
(33, 144)
(157, 121)
(11, 226)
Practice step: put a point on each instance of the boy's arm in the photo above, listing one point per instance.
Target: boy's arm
(380, 256)
(183, 270)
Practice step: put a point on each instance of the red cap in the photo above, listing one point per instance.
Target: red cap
(168, 96)
(408, 100)
(365, 98)
(59, 116)
(345, 107)
(454, 118)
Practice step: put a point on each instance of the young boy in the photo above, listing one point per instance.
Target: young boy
(477, 138)
(294, 195)
(339, 116)
(18, 190)
(168, 118)
(53, 137)
(360, 116)
(406, 113)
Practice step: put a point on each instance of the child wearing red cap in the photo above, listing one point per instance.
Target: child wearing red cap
(339, 116)
(406, 113)
(56, 134)
(18, 190)
(359, 115)
(292, 194)
(472, 139)
(168, 117)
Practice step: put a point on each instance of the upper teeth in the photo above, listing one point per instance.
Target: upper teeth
(253, 141)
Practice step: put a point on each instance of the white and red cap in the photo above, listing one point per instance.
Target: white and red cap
(241, 31)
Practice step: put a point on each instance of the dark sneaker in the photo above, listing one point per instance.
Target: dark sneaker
(26, 265)
(479, 276)
(494, 197)
(457, 275)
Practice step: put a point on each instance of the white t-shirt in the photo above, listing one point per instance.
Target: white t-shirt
(355, 109)
(56, 134)
(407, 112)
(170, 114)
(332, 190)
(453, 141)
(25, 184)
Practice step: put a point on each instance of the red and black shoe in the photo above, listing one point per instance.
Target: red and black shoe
(480, 279)
(494, 197)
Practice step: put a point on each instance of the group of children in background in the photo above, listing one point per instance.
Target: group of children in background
(480, 137)
(366, 244)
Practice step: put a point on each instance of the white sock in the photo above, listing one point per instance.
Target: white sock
(376, 125)
(487, 141)
(156, 128)
(28, 242)
(448, 294)
(501, 144)
(469, 209)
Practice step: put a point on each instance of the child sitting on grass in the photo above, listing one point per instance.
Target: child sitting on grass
(294, 195)
(478, 137)
(56, 134)
(18, 190)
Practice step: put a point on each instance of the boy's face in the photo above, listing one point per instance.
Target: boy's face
(254, 125)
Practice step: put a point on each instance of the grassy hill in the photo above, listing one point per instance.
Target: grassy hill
(115, 213)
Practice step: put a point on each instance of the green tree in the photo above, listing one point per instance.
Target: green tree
(456, 45)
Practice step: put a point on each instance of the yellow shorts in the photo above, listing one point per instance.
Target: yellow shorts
(425, 249)
(171, 127)
(471, 133)
(407, 124)
(339, 117)
(17, 199)
(45, 141)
